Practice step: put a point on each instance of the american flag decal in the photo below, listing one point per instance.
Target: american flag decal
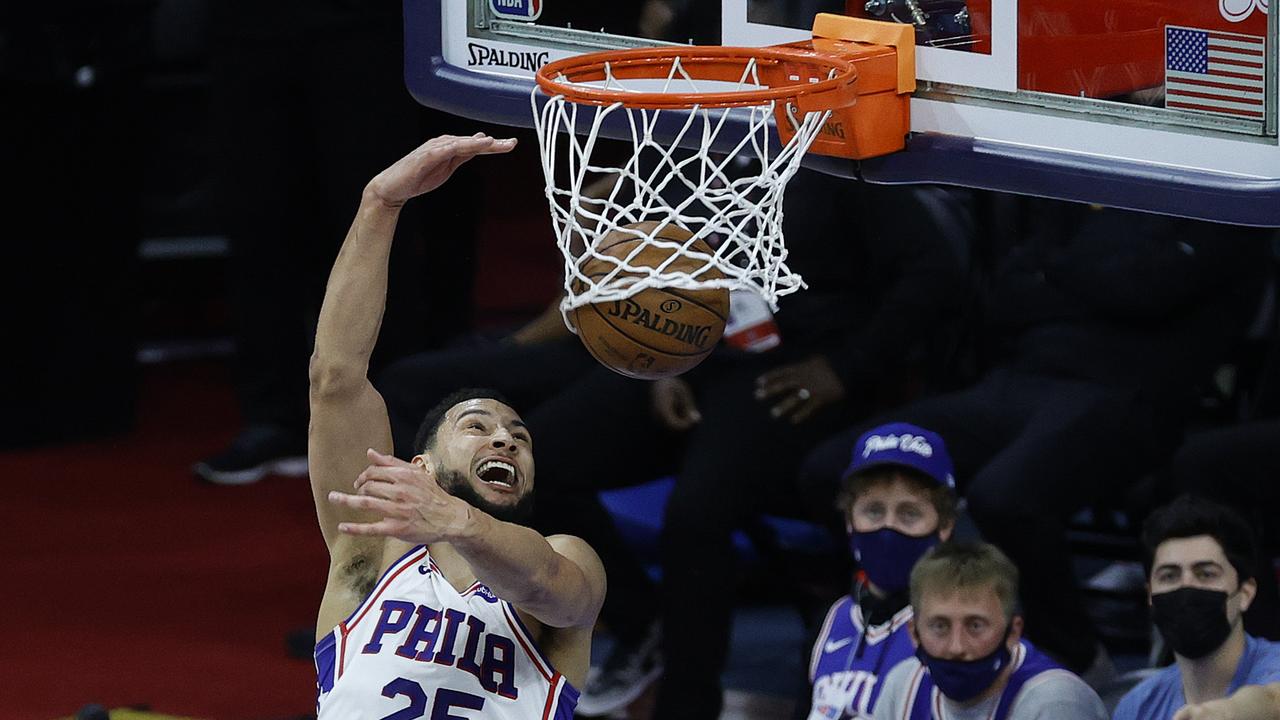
(1215, 72)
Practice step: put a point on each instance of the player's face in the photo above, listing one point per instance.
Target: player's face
(483, 445)
(896, 505)
(964, 625)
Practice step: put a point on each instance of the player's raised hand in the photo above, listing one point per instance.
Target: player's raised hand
(412, 505)
(430, 165)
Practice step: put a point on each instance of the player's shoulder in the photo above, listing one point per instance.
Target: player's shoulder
(580, 553)
(561, 542)
(577, 550)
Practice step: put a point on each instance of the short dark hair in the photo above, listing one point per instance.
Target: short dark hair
(940, 496)
(1189, 516)
(426, 436)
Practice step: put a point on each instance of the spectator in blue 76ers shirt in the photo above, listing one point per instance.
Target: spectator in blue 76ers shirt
(898, 501)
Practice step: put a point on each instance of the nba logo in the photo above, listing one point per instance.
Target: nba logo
(516, 9)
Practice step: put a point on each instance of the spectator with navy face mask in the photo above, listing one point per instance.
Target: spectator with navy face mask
(1199, 561)
(971, 661)
(898, 501)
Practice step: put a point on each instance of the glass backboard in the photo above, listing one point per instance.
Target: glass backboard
(1165, 106)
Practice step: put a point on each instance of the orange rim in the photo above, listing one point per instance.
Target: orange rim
(703, 62)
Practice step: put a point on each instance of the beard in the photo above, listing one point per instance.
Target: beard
(459, 485)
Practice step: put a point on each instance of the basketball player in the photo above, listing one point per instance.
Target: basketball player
(898, 501)
(436, 604)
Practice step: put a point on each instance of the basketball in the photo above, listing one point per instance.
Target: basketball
(658, 332)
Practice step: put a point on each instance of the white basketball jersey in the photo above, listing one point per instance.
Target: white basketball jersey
(417, 648)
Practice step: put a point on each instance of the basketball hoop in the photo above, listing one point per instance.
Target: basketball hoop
(686, 167)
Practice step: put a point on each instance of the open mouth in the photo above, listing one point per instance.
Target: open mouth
(497, 473)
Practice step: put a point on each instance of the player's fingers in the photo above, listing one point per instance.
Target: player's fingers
(439, 149)
(401, 472)
(381, 528)
(481, 146)
(500, 145)
(436, 143)
(374, 473)
(480, 142)
(398, 485)
(378, 488)
(385, 460)
(364, 502)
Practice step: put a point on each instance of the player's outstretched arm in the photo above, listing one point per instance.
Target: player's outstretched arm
(560, 580)
(347, 414)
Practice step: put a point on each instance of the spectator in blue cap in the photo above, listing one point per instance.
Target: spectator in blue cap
(898, 501)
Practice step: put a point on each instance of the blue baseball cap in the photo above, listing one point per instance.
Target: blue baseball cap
(907, 445)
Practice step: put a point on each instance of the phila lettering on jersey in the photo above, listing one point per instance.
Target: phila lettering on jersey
(417, 648)
(850, 660)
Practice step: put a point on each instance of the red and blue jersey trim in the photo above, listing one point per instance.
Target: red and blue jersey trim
(413, 557)
(562, 698)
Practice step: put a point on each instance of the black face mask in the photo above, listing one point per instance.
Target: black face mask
(1192, 620)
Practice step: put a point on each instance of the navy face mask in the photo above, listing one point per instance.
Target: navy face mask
(964, 680)
(887, 556)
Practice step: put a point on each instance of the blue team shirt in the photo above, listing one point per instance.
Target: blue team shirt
(850, 660)
(1160, 696)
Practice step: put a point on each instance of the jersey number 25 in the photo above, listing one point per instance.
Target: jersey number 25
(444, 701)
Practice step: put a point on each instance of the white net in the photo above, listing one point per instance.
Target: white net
(729, 198)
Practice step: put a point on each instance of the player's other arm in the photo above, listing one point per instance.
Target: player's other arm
(558, 580)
